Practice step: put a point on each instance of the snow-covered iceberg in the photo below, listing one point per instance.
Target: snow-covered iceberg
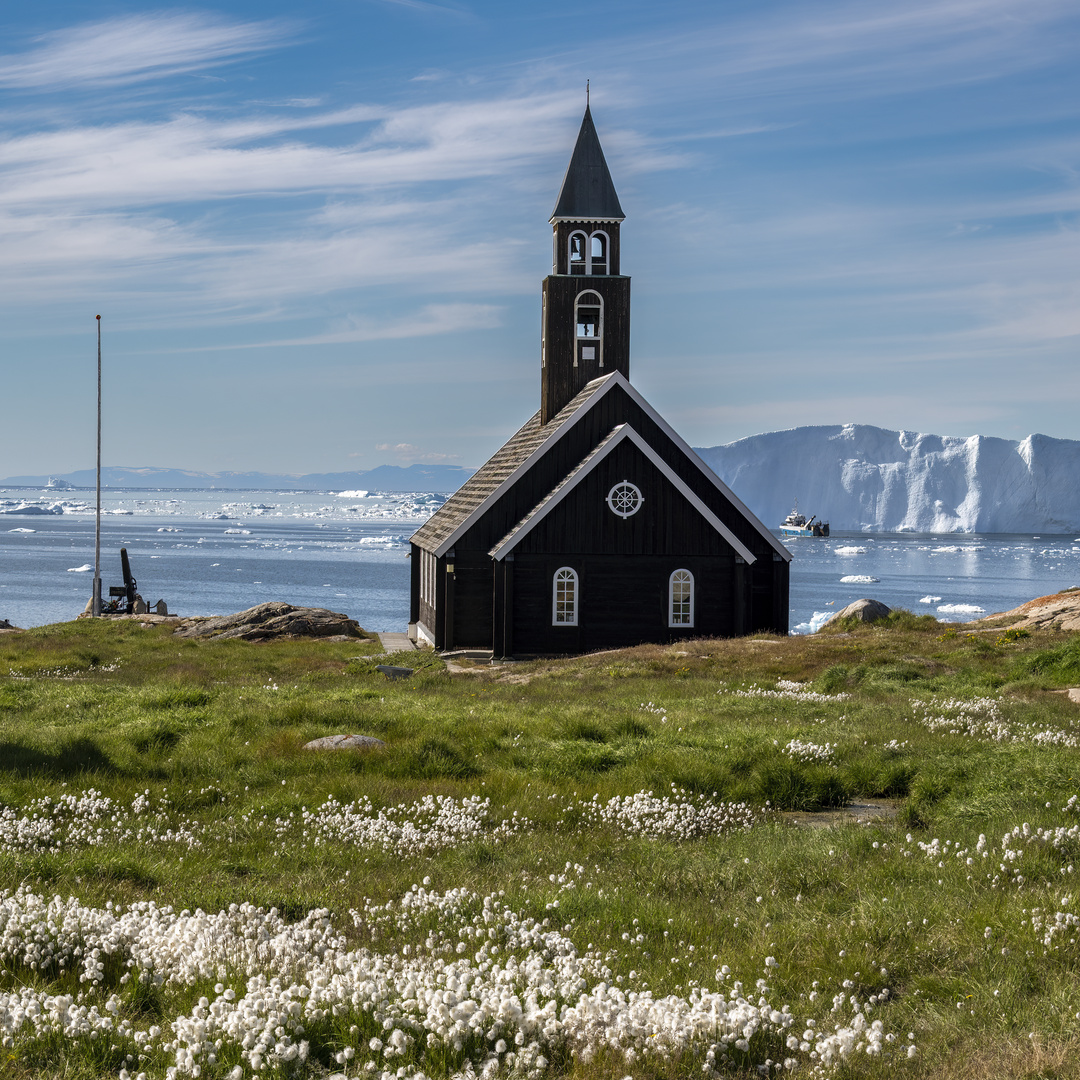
(865, 478)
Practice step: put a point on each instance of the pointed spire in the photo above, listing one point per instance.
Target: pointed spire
(587, 192)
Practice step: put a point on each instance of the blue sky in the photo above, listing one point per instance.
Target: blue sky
(316, 233)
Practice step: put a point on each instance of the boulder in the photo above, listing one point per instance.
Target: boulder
(273, 620)
(1060, 611)
(345, 742)
(867, 611)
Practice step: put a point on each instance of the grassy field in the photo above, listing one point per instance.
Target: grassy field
(642, 863)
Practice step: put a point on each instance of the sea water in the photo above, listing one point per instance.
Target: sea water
(216, 552)
(954, 577)
(211, 552)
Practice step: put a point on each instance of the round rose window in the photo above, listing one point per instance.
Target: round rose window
(625, 499)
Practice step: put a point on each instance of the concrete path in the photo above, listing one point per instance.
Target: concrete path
(396, 643)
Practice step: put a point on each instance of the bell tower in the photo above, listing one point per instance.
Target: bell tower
(585, 323)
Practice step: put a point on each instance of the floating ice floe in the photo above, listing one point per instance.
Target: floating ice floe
(849, 550)
(33, 508)
(169, 528)
(237, 532)
(961, 609)
(815, 623)
(929, 599)
(22, 530)
(358, 494)
(858, 579)
(79, 569)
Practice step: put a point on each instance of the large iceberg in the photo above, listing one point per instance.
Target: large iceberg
(864, 478)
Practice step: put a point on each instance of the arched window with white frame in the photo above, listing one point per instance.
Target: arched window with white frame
(598, 252)
(681, 598)
(564, 597)
(588, 328)
(578, 253)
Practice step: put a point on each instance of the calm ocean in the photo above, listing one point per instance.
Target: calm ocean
(215, 552)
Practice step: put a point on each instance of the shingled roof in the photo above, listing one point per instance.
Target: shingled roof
(587, 192)
(487, 482)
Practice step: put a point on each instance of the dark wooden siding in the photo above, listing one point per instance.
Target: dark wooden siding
(561, 238)
(623, 601)
(750, 598)
(472, 616)
(560, 379)
(614, 408)
(667, 522)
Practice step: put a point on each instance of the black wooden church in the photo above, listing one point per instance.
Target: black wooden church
(595, 526)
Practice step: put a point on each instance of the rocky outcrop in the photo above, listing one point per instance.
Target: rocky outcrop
(272, 620)
(867, 611)
(1061, 611)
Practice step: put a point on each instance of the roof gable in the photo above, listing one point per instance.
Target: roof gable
(496, 475)
(529, 444)
(587, 192)
(617, 436)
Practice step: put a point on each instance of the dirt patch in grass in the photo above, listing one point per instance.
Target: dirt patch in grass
(857, 813)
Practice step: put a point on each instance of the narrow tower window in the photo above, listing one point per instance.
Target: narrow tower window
(588, 328)
(564, 598)
(598, 253)
(579, 262)
(681, 598)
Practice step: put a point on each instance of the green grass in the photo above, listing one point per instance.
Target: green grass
(218, 729)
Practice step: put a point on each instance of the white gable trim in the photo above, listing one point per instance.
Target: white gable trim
(715, 480)
(618, 436)
(616, 378)
(509, 482)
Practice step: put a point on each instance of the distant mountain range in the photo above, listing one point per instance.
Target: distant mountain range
(862, 478)
(382, 478)
(856, 477)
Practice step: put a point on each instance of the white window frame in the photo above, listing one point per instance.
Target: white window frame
(606, 261)
(598, 341)
(543, 331)
(683, 616)
(565, 574)
(585, 248)
(617, 502)
(428, 564)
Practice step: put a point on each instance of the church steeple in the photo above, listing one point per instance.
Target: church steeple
(587, 192)
(586, 316)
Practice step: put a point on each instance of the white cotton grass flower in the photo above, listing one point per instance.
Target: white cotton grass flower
(520, 994)
(982, 718)
(809, 752)
(786, 690)
(72, 821)
(676, 816)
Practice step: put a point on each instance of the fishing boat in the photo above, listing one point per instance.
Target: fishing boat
(797, 524)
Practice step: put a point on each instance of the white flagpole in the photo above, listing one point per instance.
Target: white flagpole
(96, 605)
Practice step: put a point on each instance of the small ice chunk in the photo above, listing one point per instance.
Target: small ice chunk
(930, 600)
(79, 569)
(858, 579)
(850, 550)
(961, 609)
(815, 623)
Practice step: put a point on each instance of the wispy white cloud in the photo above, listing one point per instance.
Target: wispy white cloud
(411, 452)
(845, 48)
(430, 320)
(429, 8)
(133, 48)
(190, 158)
